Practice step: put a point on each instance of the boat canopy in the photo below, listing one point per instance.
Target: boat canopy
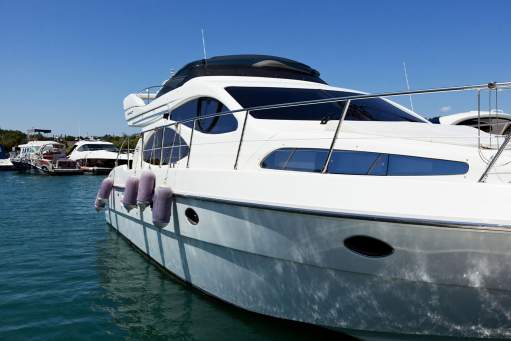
(252, 65)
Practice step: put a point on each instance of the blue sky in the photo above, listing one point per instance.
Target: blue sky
(67, 65)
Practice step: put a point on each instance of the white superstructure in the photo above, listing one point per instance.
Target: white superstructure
(355, 215)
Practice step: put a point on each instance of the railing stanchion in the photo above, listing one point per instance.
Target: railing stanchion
(128, 156)
(118, 152)
(495, 158)
(161, 150)
(479, 118)
(339, 124)
(241, 139)
(190, 149)
(173, 142)
(142, 151)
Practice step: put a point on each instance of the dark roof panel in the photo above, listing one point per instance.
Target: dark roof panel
(242, 65)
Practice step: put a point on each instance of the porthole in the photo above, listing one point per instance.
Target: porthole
(368, 246)
(192, 216)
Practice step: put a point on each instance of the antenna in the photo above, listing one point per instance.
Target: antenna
(204, 44)
(408, 85)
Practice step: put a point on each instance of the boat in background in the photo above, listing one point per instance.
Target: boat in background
(5, 163)
(22, 157)
(51, 159)
(494, 122)
(96, 156)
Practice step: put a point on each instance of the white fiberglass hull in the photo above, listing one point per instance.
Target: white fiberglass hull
(443, 281)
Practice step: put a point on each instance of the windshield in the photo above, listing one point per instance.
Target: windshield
(93, 147)
(374, 109)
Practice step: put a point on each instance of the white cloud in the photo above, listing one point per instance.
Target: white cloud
(446, 108)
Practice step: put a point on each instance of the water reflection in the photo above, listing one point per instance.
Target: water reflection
(145, 302)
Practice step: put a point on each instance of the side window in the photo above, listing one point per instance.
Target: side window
(307, 160)
(361, 163)
(185, 112)
(174, 147)
(357, 163)
(302, 160)
(402, 165)
(83, 148)
(218, 124)
(278, 159)
(205, 106)
(152, 147)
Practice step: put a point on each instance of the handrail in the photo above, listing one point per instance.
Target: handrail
(490, 86)
(148, 88)
(495, 158)
(119, 151)
(348, 100)
(339, 124)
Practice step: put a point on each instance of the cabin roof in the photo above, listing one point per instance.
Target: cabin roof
(252, 65)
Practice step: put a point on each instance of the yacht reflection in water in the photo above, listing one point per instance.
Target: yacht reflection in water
(147, 303)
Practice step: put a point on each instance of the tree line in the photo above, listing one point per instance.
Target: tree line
(13, 138)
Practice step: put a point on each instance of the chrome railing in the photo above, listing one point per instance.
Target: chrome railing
(493, 86)
(119, 151)
(149, 94)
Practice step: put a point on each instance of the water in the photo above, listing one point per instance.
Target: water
(64, 274)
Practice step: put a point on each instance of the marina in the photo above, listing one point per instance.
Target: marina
(283, 133)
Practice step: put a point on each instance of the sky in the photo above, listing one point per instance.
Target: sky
(67, 65)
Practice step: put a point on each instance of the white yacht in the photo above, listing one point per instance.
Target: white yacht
(22, 158)
(46, 157)
(493, 122)
(51, 159)
(5, 163)
(314, 203)
(97, 157)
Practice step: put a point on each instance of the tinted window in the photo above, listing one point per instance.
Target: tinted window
(96, 146)
(185, 112)
(202, 107)
(380, 166)
(360, 110)
(217, 124)
(402, 165)
(360, 163)
(352, 162)
(307, 160)
(174, 147)
(278, 159)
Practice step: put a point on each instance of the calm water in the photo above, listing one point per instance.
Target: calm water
(64, 274)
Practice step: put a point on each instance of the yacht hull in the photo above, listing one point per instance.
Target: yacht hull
(444, 281)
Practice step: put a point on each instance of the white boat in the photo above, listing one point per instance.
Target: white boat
(493, 122)
(5, 163)
(321, 204)
(22, 159)
(51, 159)
(97, 157)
